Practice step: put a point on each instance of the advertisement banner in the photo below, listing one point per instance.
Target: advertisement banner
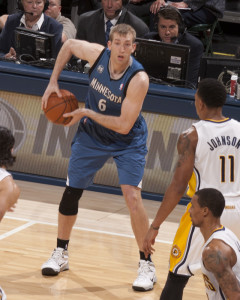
(43, 148)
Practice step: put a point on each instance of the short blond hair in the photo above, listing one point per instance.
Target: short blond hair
(122, 29)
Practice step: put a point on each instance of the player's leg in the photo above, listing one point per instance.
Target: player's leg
(174, 286)
(185, 253)
(130, 164)
(85, 161)
(138, 215)
(231, 215)
(140, 224)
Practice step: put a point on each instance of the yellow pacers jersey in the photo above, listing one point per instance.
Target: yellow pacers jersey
(217, 165)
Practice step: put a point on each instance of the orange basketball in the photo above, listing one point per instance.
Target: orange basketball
(57, 106)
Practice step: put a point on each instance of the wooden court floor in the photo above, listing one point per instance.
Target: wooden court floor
(103, 253)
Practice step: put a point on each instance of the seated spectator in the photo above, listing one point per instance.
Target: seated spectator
(140, 8)
(171, 29)
(31, 17)
(195, 12)
(81, 6)
(54, 11)
(94, 26)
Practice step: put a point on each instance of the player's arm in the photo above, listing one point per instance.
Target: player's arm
(186, 147)
(82, 49)
(219, 258)
(130, 110)
(9, 193)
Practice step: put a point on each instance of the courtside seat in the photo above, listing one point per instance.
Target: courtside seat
(205, 32)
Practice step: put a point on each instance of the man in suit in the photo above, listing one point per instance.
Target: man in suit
(93, 26)
(171, 29)
(81, 6)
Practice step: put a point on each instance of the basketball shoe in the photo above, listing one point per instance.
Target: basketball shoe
(2, 294)
(57, 263)
(146, 276)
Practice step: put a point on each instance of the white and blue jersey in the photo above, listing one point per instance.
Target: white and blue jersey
(213, 289)
(94, 144)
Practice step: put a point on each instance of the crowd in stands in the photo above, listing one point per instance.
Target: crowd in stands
(92, 20)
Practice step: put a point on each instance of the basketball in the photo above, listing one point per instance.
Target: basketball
(57, 106)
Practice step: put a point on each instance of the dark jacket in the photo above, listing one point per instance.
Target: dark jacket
(91, 25)
(7, 38)
(216, 7)
(196, 52)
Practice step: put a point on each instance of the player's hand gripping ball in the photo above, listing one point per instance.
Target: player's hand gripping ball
(57, 106)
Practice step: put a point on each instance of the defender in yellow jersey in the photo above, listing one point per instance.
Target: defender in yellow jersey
(209, 157)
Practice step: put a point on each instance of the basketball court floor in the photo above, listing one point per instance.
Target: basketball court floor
(103, 252)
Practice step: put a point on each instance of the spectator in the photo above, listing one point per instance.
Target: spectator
(54, 11)
(81, 6)
(31, 17)
(195, 12)
(171, 29)
(92, 25)
(140, 8)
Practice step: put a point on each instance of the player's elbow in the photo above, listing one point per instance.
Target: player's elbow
(124, 129)
(124, 132)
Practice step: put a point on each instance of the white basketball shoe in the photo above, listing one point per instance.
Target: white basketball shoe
(2, 294)
(57, 263)
(146, 276)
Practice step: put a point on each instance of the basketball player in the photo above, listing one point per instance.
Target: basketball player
(9, 191)
(221, 251)
(209, 156)
(111, 125)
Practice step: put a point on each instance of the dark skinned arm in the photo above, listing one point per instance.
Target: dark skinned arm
(219, 258)
(186, 155)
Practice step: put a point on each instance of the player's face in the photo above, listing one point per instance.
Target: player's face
(33, 6)
(111, 8)
(121, 47)
(167, 30)
(195, 212)
(53, 9)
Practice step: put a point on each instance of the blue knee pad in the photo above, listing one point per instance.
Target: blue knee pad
(69, 203)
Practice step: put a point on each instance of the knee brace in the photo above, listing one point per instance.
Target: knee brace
(69, 203)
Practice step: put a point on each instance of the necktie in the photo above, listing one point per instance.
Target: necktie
(109, 25)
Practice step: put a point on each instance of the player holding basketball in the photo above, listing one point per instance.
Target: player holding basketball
(9, 191)
(220, 261)
(209, 156)
(111, 125)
